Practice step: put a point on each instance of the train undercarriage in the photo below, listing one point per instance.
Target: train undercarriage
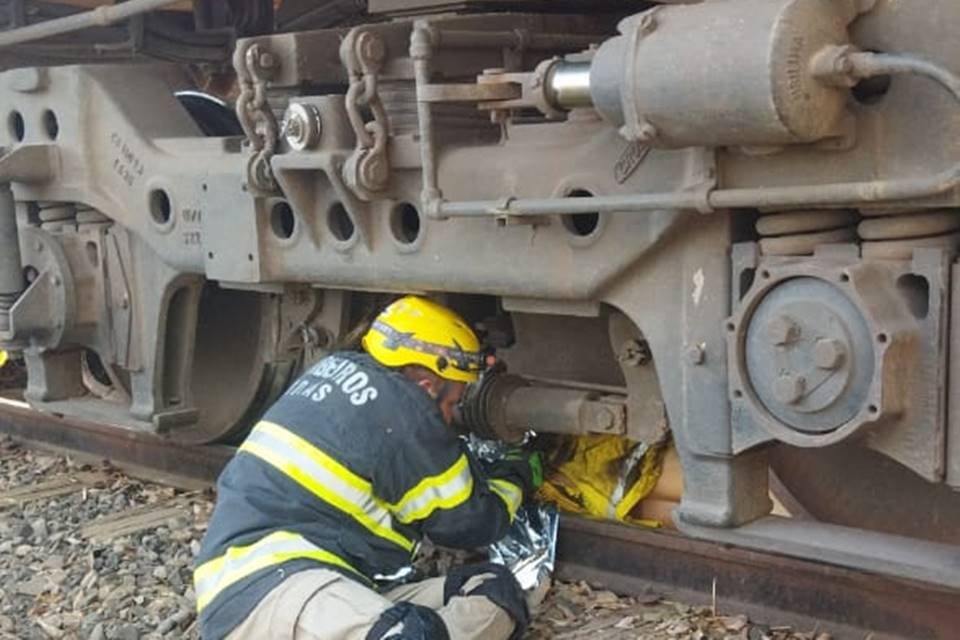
(732, 223)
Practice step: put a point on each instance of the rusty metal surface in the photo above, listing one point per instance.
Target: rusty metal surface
(139, 452)
(770, 588)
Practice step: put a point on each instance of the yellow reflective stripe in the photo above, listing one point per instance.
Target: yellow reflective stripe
(215, 575)
(446, 490)
(324, 477)
(511, 494)
(292, 439)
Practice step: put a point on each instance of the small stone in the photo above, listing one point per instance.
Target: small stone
(23, 531)
(194, 547)
(97, 633)
(679, 629)
(128, 632)
(160, 573)
(176, 620)
(34, 586)
(22, 550)
(49, 628)
(40, 530)
(89, 579)
(6, 624)
(734, 623)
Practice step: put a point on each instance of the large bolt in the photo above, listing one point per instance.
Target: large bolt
(829, 354)
(604, 419)
(302, 126)
(789, 388)
(783, 330)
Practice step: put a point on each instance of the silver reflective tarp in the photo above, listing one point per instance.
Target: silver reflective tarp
(530, 547)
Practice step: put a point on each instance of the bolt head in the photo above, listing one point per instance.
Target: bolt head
(789, 388)
(783, 330)
(267, 60)
(604, 419)
(374, 172)
(829, 354)
(371, 48)
(696, 355)
(647, 133)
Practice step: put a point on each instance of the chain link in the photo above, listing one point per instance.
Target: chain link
(255, 66)
(367, 169)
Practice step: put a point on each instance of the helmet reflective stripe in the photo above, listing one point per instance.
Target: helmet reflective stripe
(417, 331)
(456, 356)
(324, 477)
(213, 576)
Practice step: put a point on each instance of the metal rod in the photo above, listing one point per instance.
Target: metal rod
(421, 50)
(568, 85)
(100, 17)
(831, 195)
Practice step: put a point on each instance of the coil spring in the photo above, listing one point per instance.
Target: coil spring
(894, 235)
(55, 215)
(7, 300)
(798, 233)
(89, 215)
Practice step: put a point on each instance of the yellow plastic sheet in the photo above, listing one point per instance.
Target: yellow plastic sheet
(588, 480)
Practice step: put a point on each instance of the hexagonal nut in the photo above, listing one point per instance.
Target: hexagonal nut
(789, 389)
(829, 354)
(604, 419)
(783, 330)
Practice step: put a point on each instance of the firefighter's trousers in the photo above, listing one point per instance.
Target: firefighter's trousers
(320, 604)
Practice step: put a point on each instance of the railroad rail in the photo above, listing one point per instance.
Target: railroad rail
(768, 587)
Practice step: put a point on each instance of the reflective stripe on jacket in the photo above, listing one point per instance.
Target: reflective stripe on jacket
(349, 469)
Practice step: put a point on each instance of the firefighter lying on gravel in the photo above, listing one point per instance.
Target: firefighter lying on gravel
(338, 483)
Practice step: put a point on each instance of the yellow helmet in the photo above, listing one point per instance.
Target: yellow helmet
(414, 330)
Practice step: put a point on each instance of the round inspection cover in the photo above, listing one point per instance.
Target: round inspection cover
(809, 356)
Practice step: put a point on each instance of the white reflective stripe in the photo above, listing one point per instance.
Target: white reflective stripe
(446, 490)
(237, 563)
(324, 477)
(511, 494)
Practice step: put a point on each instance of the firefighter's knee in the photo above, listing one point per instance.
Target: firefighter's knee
(493, 582)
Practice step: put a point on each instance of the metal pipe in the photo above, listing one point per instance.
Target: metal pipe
(11, 267)
(568, 85)
(99, 17)
(830, 195)
(421, 50)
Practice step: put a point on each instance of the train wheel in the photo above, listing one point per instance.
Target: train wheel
(858, 487)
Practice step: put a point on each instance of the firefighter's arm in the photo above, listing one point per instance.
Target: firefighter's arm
(430, 480)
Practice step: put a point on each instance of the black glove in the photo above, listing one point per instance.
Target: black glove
(525, 468)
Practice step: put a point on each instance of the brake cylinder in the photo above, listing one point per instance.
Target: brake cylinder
(724, 73)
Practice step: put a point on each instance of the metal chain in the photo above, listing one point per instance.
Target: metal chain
(367, 169)
(255, 66)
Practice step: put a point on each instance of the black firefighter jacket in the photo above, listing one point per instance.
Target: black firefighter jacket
(349, 469)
